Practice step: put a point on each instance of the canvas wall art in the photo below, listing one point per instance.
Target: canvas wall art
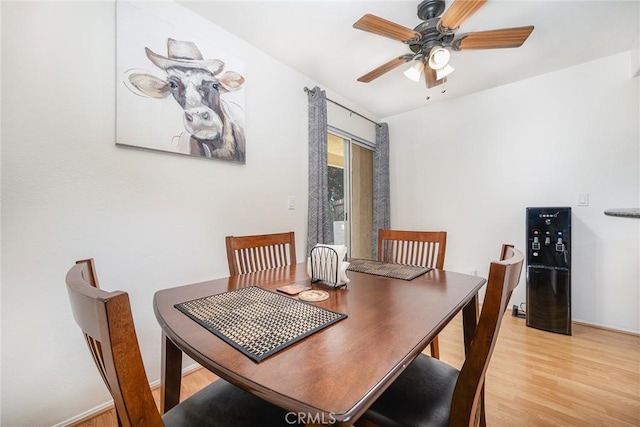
(176, 93)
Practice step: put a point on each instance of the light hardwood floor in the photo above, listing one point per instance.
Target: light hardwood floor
(535, 378)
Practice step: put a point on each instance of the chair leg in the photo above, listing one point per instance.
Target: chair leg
(435, 348)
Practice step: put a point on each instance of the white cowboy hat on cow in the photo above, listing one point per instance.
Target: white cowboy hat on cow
(185, 54)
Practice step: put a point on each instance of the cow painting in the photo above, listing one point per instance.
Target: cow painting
(213, 129)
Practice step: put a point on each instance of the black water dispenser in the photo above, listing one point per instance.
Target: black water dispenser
(549, 269)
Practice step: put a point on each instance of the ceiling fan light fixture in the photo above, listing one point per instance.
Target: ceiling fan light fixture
(439, 58)
(414, 71)
(444, 72)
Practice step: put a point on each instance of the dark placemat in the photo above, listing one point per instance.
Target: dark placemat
(256, 321)
(386, 269)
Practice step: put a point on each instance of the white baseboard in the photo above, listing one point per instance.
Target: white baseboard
(86, 415)
(606, 328)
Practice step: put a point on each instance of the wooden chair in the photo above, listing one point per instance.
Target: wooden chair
(106, 321)
(432, 393)
(247, 254)
(422, 248)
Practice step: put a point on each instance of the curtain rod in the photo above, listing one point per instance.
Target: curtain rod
(306, 89)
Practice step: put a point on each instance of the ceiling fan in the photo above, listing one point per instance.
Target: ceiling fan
(430, 42)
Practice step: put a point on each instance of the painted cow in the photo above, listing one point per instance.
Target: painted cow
(213, 130)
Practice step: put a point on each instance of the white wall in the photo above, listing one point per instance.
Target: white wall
(151, 220)
(635, 55)
(341, 118)
(471, 165)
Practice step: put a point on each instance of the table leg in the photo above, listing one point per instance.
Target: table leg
(171, 375)
(469, 321)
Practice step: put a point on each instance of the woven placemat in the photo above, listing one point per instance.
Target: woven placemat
(256, 321)
(386, 269)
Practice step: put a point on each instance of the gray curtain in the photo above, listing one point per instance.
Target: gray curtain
(381, 192)
(319, 224)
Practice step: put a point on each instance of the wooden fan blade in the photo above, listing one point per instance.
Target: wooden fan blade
(374, 74)
(431, 78)
(495, 39)
(459, 11)
(375, 24)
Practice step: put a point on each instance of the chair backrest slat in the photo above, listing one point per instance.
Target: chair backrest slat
(281, 254)
(246, 254)
(422, 248)
(504, 276)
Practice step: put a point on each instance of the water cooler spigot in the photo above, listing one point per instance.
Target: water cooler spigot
(536, 244)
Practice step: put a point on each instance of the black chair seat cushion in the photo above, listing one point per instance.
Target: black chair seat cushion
(222, 404)
(420, 396)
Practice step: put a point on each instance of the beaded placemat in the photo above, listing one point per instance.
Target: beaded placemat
(256, 321)
(386, 269)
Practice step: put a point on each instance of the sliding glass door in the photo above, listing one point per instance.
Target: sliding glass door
(350, 176)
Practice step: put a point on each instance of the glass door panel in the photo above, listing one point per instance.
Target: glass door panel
(361, 201)
(350, 194)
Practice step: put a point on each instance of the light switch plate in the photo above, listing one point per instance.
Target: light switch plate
(583, 199)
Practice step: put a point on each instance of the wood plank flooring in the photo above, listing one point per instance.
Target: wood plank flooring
(535, 378)
(538, 378)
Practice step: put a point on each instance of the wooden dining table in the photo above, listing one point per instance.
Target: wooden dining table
(331, 376)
